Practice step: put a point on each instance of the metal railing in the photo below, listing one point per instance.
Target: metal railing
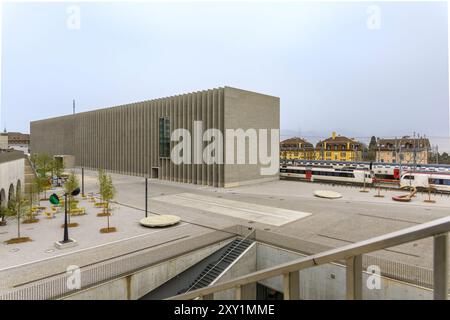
(56, 286)
(352, 255)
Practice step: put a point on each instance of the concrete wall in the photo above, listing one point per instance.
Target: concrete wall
(185, 279)
(329, 281)
(12, 170)
(244, 265)
(247, 110)
(125, 139)
(4, 141)
(135, 286)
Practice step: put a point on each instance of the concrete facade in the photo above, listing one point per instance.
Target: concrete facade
(138, 284)
(328, 282)
(126, 139)
(12, 176)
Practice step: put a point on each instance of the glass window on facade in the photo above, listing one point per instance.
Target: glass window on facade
(164, 138)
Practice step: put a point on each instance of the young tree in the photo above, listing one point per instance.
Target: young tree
(3, 213)
(33, 195)
(43, 163)
(107, 192)
(41, 186)
(71, 184)
(17, 208)
(372, 150)
(101, 180)
(57, 168)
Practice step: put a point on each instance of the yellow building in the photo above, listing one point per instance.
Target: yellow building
(296, 148)
(338, 148)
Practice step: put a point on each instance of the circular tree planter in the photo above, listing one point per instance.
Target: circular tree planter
(104, 214)
(327, 194)
(28, 221)
(71, 225)
(18, 240)
(160, 221)
(3, 223)
(108, 230)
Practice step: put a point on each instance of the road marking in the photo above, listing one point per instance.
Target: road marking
(238, 209)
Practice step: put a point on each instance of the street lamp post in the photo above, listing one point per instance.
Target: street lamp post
(82, 181)
(66, 242)
(146, 197)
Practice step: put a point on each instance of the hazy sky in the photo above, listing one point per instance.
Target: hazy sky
(330, 70)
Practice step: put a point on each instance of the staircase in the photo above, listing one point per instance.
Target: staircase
(30, 175)
(214, 269)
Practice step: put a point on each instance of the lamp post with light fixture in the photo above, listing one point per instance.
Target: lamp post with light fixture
(66, 242)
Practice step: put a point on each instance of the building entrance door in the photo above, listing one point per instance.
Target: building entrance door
(155, 172)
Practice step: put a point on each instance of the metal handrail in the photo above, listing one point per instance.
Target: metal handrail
(352, 254)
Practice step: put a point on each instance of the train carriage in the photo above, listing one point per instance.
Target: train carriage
(425, 180)
(326, 173)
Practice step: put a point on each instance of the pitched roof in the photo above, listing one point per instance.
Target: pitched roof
(14, 137)
(405, 142)
(296, 140)
(338, 139)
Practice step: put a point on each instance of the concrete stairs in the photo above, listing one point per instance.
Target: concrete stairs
(214, 269)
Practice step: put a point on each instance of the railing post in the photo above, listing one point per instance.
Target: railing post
(291, 286)
(209, 296)
(354, 278)
(440, 267)
(238, 293)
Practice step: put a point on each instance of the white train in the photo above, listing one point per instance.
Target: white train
(326, 173)
(424, 180)
(385, 173)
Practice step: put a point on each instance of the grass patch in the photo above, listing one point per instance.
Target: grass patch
(18, 240)
(108, 230)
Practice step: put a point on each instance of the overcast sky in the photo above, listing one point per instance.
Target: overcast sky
(331, 71)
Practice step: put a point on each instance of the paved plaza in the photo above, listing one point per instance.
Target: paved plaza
(287, 208)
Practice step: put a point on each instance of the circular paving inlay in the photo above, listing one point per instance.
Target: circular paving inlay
(328, 194)
(160, 221)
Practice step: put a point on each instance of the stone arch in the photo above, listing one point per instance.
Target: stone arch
(3, 201)
(18, 189)
(11, 193)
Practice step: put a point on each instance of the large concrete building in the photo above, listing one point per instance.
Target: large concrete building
(135, 139)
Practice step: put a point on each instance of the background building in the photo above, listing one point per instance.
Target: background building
(404, 150)
(12, 175)
(134, 139)
(3, 141)
(338, 148)
(296, 148)
(19, 141)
